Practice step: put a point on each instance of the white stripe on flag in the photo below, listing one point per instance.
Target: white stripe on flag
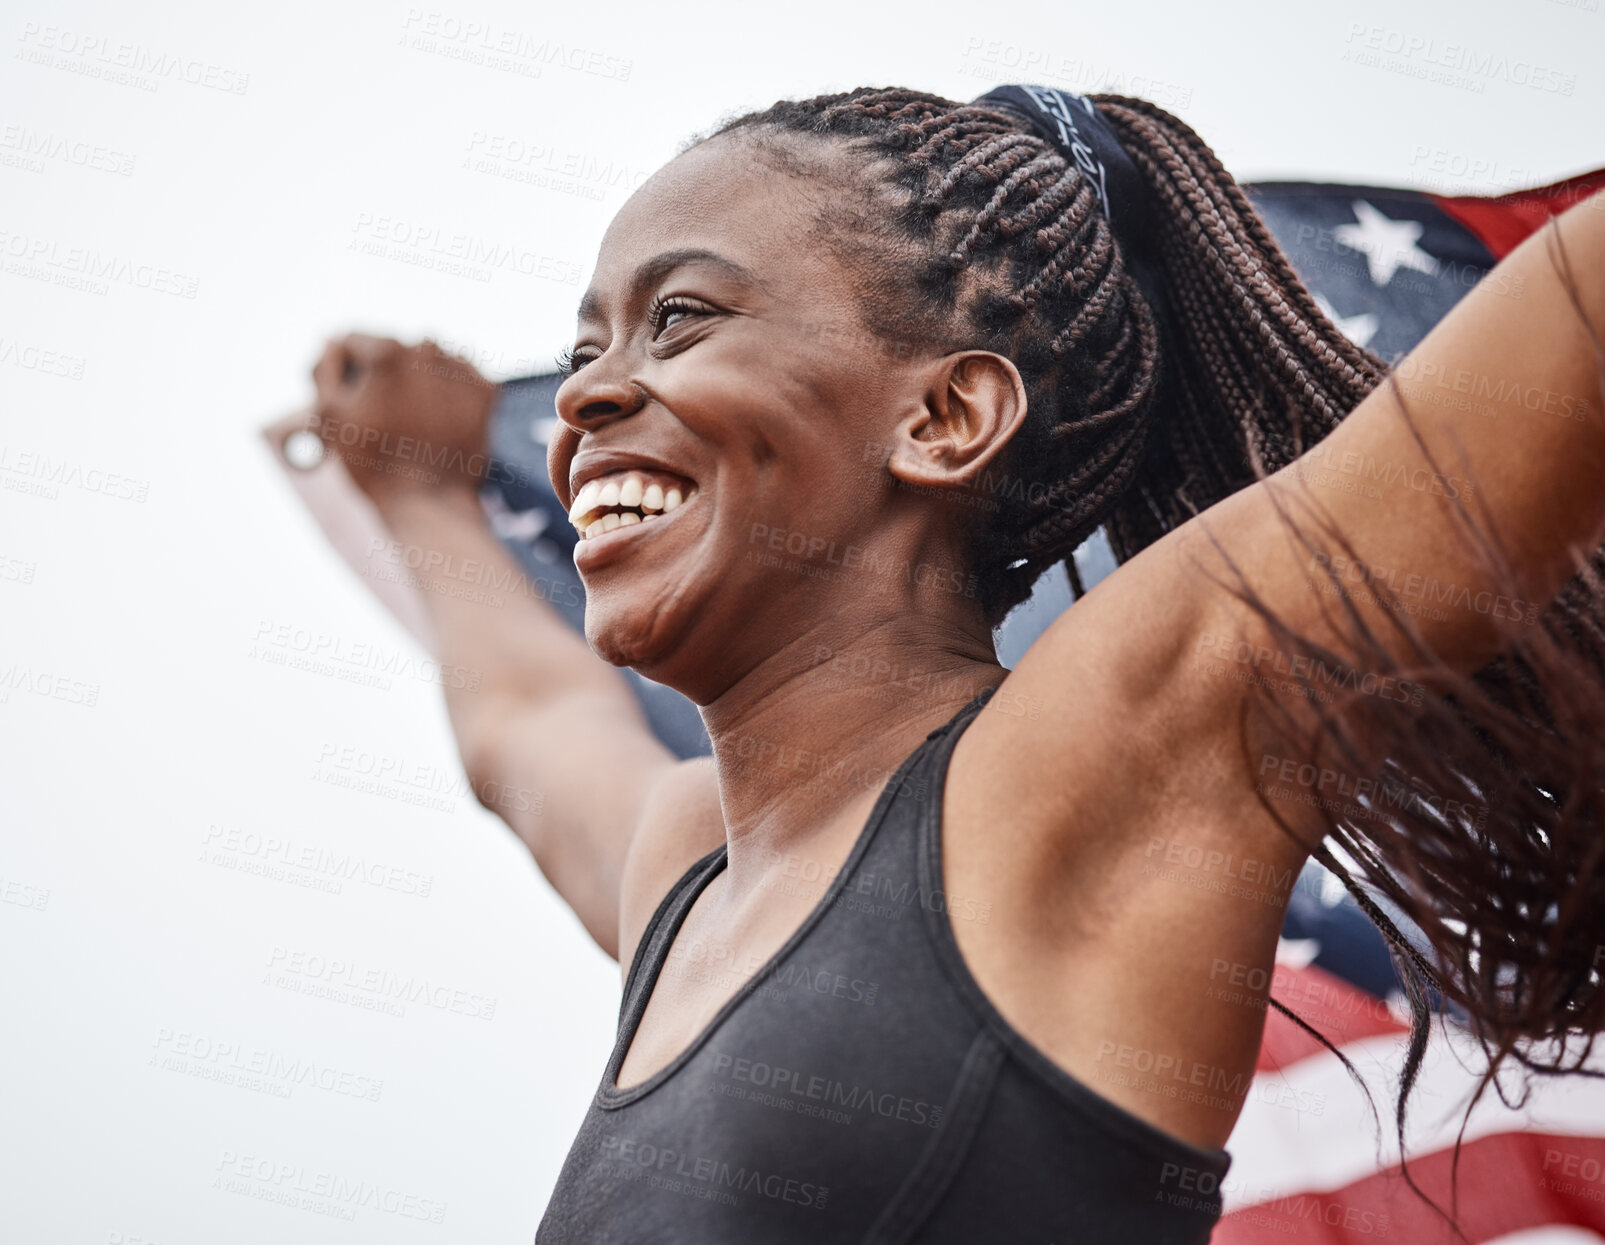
(1308, 1129)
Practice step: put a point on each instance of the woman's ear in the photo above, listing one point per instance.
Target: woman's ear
(974, 406)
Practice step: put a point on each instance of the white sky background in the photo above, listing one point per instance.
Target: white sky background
(120, 937)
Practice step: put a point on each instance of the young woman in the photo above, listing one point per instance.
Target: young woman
(929, 949)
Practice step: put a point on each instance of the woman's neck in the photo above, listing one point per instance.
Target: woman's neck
(821, 725)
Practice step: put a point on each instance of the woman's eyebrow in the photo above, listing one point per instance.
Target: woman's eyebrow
(661, 265)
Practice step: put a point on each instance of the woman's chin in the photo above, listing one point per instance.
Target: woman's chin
(623, 634)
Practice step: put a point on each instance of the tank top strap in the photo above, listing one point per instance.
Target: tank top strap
(661, 928)
(665, 922)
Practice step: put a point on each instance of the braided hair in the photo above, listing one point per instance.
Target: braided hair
(979, 233)
(964, 228)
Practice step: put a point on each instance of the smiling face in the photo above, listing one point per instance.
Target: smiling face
(722, 356)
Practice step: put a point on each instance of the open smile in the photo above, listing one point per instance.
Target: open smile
(616, 509)
(626, 498)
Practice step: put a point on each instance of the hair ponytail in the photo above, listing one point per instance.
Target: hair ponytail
(1256, 372)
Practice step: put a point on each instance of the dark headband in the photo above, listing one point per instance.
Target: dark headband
(1083, 135)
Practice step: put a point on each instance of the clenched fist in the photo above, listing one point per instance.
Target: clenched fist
(403, 417)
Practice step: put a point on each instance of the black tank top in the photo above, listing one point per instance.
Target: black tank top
(861, 1087)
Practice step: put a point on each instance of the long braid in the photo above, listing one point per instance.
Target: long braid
(1264, 374)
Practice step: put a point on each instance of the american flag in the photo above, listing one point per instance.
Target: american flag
(1310, 1162)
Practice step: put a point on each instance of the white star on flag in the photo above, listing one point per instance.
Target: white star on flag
(1387, 244)
(1359, 329)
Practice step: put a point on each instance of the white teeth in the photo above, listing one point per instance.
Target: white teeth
(585, 501)
(624, 490)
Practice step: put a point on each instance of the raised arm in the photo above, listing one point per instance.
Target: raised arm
(1505, 395)
(1505, 391)
(550, 736)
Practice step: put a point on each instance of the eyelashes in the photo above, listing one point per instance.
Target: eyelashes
(566, 364)
(569, 360)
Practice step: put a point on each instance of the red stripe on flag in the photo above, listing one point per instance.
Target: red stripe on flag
(1508, 1181)
(1501, 222)
(1333, 1007)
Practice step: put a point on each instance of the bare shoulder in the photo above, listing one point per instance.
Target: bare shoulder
(1126, 738)
(1121, 704)
(1100, 811)
(681, 822)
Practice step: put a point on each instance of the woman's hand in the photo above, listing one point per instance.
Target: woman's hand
(401, 417)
